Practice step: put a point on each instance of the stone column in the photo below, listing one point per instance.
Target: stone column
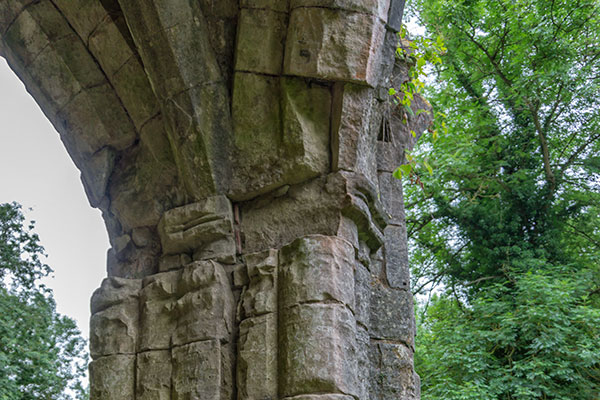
(242, 156)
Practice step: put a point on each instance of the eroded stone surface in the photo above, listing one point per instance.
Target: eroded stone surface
(197, 226)
(261, 37)
(362, 292)
(114, 330)
(333, 44)
(153, 379)
(257, 358)
(114, 291)
(318, 350)
(113, 377)
(317, 269)
(392, 314)
(396, 257)
(393, 375)
(206, 309)
(197, 371)
(283, 137)
(157, 300)
(261, 295)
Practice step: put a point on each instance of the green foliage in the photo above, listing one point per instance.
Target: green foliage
(535, 338)
(41, 352)
(506, 229)
(419, 54)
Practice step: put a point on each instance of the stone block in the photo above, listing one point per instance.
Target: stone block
(334, 45)
(275, 5)
(112, 378)
(392, 197)
(153, 380)
(392, 315)
(179, 29)
(63, 85)
(75, 63)
(278, 146)
(194, 226)
(10, 10)
(123, 247)
(139, 263)
(308, 208)
(395, 14)
(257, 358)
(257, 122)
(197, 371)
(203, 314)
(348, 230)
(240, 276)
(202, 274)
(317, 268)
(95, 176)
(228, 360)
(353, 141)
(114, 291)
(84, 15)
(260, 297)
(143, 236)
(131, 84)
(396, 257)
(306, 110)
(389, 156)
(93, 119)
(32, 29)
(175, 261)
(114, 330)
(206, 309)
(364, 366)
(363, 207)
(197, 120)
(392, 374)
(378, 8)
(317, 350)
(108, 46)
(223, 251)
(362, 292)
(157, 301)
(261, 37)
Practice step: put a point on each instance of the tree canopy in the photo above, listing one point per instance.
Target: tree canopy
(42, 354)
(505, 233)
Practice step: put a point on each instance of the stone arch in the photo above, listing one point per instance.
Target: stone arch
(258, 236)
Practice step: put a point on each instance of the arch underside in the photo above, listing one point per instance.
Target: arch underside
(234, 149)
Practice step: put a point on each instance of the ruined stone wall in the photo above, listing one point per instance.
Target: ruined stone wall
(242, 154)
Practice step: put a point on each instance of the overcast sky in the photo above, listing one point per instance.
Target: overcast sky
(36, 171)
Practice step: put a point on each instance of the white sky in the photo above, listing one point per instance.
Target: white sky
(36, 171)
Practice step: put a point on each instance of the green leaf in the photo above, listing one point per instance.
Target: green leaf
(429, 169)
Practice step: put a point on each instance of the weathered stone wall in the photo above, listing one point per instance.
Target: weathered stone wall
(242, 154)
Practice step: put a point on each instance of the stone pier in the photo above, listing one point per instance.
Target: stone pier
(241, 152)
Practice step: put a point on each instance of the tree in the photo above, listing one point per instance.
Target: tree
(511, 212)
(42, 355)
